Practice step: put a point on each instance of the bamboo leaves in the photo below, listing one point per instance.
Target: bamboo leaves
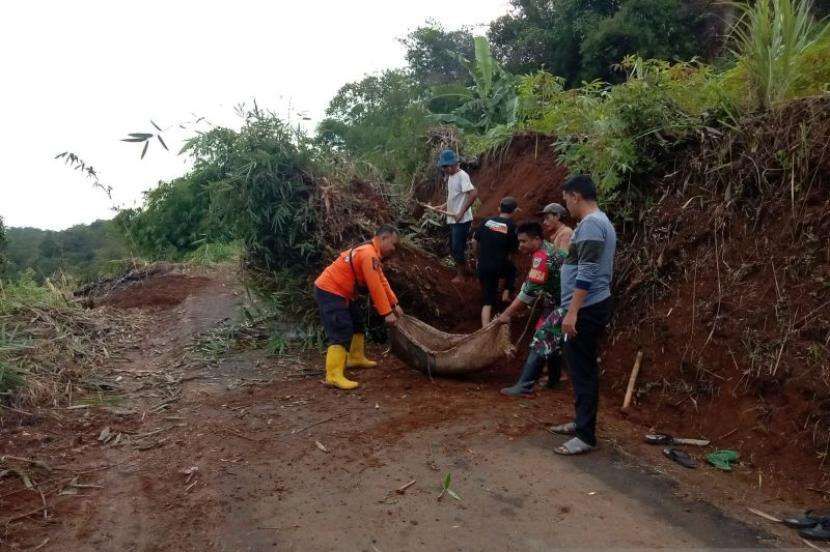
(74, 161)
(146, 137)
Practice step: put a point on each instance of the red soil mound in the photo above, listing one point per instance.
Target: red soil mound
(726, 289)
(528, 170)
(724, 284)
(156, 292)
(422, 283)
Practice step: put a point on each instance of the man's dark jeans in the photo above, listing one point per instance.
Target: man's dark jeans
(458, 241)
(581, 355)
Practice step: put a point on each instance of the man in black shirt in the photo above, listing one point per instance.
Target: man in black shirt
(496, 240)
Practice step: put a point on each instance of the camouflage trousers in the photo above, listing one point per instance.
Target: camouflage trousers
(547, 339)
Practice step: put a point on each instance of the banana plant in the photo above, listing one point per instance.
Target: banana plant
(490, 100)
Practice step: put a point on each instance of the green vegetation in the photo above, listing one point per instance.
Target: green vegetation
(581, 40)
(434, 55)
(773, 37)
(82, 252)
(381, 120)
(255, 180)
(3, 245)
(619, 132)
(488, 101)
(215, 253)
(620, 84)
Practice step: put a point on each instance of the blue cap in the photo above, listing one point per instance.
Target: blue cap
(447, 158)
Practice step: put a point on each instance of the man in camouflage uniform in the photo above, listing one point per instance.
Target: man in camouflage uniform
(541, 289)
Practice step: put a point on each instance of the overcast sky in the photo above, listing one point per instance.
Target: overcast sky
(79, 75)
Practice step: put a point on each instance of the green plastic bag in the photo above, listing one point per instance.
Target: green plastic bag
(722, 459)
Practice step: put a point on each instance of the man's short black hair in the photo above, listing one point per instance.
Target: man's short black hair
(508, 205)
(582, 185)
(386, 230)
(531, 229)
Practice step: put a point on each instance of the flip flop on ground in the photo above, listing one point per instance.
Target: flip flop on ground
(809, 519)
(680, 457)
(573, 447)
(820, 532)
(564, 429)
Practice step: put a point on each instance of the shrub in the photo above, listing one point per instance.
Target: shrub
(617, 132)
(775, 42)
(2, 248)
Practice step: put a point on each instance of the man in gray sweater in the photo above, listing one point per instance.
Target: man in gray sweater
(586, 296)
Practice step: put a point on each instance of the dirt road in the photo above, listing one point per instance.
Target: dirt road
(252, 453)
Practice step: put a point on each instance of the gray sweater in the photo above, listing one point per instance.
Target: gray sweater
(590, 261)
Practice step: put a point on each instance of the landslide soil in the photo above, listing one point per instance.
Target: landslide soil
(250, 452)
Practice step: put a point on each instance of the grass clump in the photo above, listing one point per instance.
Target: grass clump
(50, 347)
(772, 39)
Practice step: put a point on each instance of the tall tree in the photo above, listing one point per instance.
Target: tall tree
(434, 54)
(380, 119)
(659, 29)
(545, 34)
(580, 40)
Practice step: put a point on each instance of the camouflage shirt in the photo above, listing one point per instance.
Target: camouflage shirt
(543, 278)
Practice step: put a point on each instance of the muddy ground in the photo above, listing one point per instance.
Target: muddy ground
(250, 452)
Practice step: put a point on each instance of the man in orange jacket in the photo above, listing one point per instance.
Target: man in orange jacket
(355, 271)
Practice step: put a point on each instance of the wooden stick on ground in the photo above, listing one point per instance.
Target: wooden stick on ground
(764, 515)
(632, 381)
(811, 545)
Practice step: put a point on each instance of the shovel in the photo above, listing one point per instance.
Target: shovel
(664, 439)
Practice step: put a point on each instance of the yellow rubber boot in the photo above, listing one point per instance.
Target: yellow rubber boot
(335, 366)
(357, 353)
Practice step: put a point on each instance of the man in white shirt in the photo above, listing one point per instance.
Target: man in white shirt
(460, 197)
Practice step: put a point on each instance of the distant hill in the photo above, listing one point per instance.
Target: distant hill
(82, 251)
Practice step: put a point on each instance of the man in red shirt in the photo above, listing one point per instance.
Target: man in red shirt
(355, 271)
(542, 288)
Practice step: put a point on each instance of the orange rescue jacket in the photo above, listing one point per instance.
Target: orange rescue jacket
(359, 268)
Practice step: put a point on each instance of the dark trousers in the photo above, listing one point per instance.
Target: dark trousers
(341, 318)
(581, 355)
(490, 278)
(532, 369)
(458, 241)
